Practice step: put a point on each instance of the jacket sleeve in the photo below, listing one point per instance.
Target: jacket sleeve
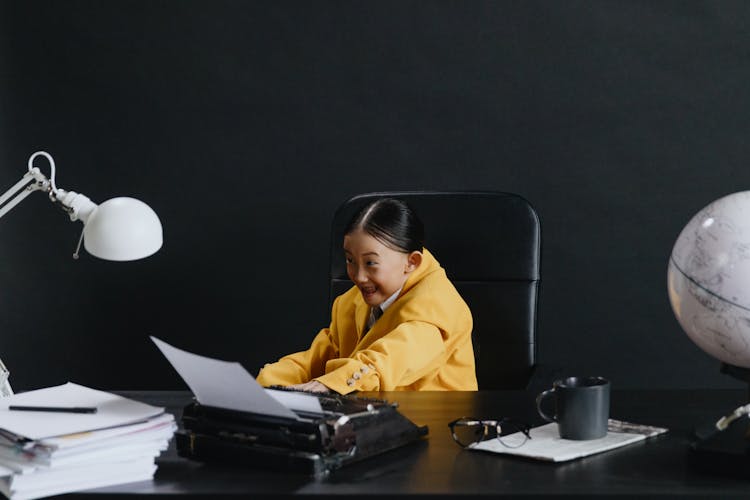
(303, 366)
(401, 357)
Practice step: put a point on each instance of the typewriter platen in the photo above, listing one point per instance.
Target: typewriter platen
(350, 429)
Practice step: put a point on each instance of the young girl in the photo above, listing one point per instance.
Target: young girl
(402, 326)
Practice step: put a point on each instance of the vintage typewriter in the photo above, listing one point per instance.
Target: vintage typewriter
(349, 429)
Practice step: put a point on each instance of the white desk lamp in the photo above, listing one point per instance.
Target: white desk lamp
(119, 229)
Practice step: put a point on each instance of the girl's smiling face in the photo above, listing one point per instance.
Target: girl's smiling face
(377, 270)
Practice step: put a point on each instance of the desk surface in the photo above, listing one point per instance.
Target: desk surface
(658, 466)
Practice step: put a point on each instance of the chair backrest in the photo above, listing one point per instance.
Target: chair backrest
(490, 246)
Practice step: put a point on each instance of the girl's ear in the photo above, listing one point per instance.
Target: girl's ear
(413, 261)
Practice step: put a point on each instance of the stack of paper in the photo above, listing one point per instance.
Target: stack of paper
(45, 453)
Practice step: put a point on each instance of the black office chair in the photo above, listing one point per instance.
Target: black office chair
(490, 246)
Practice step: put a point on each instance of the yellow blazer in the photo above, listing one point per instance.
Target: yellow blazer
(422, 342)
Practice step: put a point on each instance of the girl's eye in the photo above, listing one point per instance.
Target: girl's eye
(371, 263)
(348, 260)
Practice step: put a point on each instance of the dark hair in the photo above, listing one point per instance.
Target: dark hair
(392, 222)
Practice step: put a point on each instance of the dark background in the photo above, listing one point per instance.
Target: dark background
(244, 124)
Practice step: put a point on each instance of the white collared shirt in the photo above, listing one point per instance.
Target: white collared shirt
(385, 305)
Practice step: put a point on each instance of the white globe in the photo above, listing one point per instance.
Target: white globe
(709, 279)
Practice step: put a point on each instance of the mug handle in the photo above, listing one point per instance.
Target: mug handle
(539, 399)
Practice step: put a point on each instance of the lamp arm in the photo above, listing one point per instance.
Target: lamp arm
(724, 422)
(5, 388)
(78, 206)
(33, 180)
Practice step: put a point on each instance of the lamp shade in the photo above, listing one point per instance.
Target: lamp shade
(122, 229)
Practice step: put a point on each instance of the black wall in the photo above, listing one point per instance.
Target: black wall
(244, 124)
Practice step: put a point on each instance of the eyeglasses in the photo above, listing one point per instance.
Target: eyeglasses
(468, 431)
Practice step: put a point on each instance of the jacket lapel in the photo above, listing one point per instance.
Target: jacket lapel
(361, 312)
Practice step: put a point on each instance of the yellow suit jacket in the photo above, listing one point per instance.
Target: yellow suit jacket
(422, 342)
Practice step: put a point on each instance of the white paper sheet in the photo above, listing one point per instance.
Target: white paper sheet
(69, 479)
(78, 441)
(112, 410)
(224, 384)
(296, 400)
(546, 443)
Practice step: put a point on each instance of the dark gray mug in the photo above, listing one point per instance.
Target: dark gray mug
(581, 407)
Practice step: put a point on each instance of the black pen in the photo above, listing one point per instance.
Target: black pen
(59, 409)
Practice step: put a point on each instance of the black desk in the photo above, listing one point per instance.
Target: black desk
(658, 466)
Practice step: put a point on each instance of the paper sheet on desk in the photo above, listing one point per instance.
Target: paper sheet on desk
(226, 384)
(112, 410)
(546, 444)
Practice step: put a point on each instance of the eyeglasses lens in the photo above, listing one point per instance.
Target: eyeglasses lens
(467, 432)
(511, 435)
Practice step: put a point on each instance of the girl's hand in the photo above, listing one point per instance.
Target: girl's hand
(311, 386)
